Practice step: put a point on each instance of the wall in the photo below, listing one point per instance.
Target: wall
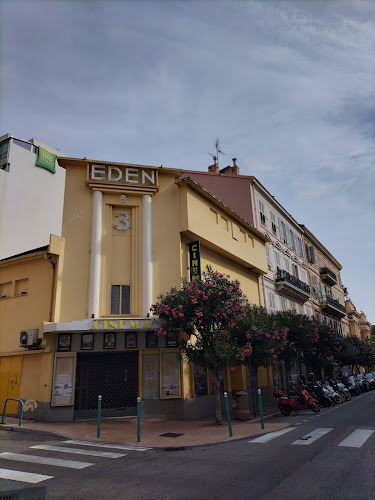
(21, 208)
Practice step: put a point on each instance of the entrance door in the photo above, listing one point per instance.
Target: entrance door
(112, 375)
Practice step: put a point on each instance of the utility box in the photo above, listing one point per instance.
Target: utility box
(242, 411)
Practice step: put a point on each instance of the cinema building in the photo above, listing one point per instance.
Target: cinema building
(83, 326)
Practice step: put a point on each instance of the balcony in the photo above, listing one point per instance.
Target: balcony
(292, 286)
(332, 307)
(328, 276)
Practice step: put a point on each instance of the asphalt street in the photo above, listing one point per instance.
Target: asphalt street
(329, 455)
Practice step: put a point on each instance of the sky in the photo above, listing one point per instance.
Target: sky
(288, 87)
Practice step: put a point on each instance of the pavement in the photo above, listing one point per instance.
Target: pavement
(155, 433)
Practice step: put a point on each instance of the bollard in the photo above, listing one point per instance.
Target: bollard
(228, 413)
(99, 415)
(260, 408)
(138, 419)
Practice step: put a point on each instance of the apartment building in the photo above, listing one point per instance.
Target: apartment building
(327, 292)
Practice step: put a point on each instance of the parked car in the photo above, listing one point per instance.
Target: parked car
(365, 386)
(353, 386)
(370, 379)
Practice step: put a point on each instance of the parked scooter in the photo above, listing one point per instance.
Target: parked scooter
(326, 392)
(296, 400)
(342, 390)
(318, 393)
(332, 393)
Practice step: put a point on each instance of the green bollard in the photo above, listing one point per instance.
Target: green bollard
(138, 419)
(260, 407)
(99, 415)
(228, 413)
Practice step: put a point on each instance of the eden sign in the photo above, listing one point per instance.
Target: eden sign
(120, 174)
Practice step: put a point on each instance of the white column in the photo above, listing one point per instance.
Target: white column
(147, 256)
(96, 242)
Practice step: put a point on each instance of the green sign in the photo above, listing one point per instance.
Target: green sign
(46, 160)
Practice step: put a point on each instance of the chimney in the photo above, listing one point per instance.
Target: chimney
(231, 170)
(214, 169)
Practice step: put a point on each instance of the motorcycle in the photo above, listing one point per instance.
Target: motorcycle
(296, 401)
(332, 393)
(341, 389)
(319, 394)
(335, 387)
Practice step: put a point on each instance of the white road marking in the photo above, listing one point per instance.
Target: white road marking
(313, 436)
(271, 435)
(23, 477)
(109, 445)
(357, 438)
(35, 459)
(77, 451)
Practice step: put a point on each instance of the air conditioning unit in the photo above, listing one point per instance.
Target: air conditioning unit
(29, 338)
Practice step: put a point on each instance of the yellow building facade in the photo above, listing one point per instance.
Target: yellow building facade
(125, 235)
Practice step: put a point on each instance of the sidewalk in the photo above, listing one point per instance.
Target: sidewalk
(124, 430)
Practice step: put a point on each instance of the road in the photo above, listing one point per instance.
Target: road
(329, 455)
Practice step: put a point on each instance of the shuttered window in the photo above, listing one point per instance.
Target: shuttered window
(120, 299)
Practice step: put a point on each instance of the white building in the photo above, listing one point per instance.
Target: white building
(285, 286)
(31, 189)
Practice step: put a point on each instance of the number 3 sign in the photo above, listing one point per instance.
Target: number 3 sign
(124, 220)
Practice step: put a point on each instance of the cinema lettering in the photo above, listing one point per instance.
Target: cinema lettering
(121, 174)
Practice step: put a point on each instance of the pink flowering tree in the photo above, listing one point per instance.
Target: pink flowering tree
(260, 330)
(207, 310)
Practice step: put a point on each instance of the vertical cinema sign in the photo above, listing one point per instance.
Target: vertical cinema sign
(195, 259)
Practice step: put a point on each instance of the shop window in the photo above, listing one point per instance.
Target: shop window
(170, 375)
(120, 299)
(6, 289)
(200, 381)
(150, 376)
(22, 287)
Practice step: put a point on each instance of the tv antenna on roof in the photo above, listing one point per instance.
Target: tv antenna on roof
(218, 151)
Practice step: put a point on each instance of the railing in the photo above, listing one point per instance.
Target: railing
(285, 276)
(5, 405)
(332, 302)
(325, 270)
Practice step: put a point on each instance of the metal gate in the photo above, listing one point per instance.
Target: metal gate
(114, 376)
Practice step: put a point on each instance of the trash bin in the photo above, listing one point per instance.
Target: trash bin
(242, 410)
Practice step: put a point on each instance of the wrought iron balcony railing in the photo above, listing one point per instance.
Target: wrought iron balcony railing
(283, 275)
(326, 270)
(332, 302)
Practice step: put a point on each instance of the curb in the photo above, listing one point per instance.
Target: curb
(41, 432)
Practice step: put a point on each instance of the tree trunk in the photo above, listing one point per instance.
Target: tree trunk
(218, 418)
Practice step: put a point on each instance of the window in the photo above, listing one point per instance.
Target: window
(311, 254)
(6, 289)
(170, 375)
(273, 223)
(286, 264)
(282, 231)
(303, 275)
(277, 257)
(299, 246)
(283, 303)
(262, 213)
(292, 240)
(271, 301)
(295, 270)
(120, 299)
(269, 258)
(4, 148)
(320, 261)
(22, 286)
(300, 308)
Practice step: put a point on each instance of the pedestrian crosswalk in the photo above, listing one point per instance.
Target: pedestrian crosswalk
(43, 459)
(356, 439)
